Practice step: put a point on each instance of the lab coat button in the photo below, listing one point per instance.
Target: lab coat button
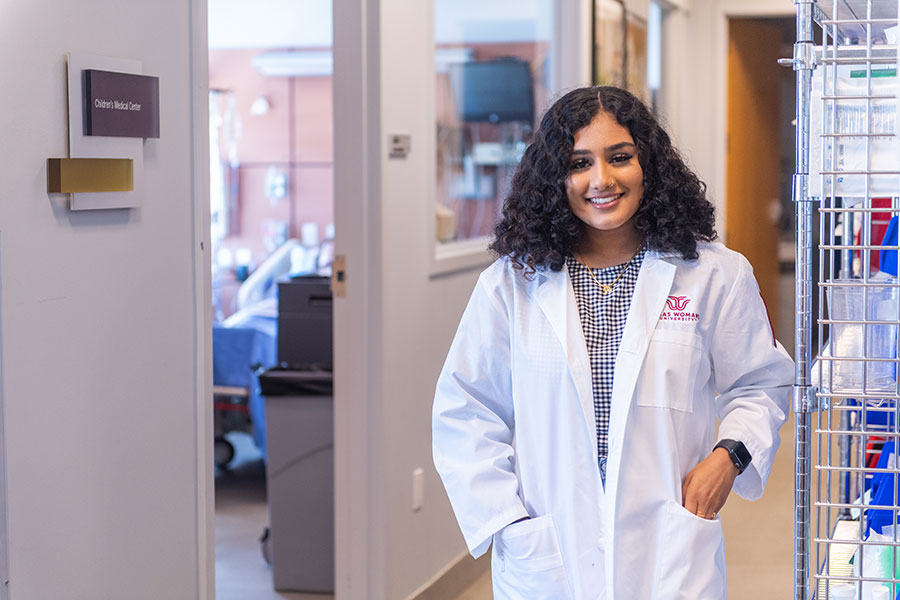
(600, 542)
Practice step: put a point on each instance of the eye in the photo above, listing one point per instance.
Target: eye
(579, 164)
(620, 158)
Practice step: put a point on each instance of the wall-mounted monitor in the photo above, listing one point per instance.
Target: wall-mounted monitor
(494, 91)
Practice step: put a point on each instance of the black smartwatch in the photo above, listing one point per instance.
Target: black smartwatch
(738, 453)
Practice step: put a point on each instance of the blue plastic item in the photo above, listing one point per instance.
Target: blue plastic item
(883, 485)
(888, 258)
(237, 352)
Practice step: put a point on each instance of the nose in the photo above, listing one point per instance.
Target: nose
(601, 177)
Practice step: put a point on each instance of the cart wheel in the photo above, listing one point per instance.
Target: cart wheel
(223, 452)
(265, 546)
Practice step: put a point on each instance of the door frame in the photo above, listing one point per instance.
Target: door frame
(357, 216)
(355, 75)
(203, 315)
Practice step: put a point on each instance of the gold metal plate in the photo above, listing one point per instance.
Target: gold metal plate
(79, 175)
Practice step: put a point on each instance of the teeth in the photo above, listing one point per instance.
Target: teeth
(602, 201)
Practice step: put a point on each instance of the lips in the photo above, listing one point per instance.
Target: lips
(604, 200)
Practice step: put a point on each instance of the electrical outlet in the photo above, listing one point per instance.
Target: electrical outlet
(418, 486)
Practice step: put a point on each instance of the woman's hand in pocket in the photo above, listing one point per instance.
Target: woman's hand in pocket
(706, 487)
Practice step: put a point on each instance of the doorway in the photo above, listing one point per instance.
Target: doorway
(272, 228)
(759, 212)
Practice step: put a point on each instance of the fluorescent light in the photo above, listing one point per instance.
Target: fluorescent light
(306, 63)
(319, 63)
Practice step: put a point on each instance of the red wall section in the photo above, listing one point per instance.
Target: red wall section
(313, 119)
(295, 136)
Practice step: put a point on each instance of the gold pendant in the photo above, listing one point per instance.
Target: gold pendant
(605, 288)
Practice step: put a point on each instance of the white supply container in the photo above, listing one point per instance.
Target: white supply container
(875, 302)
(881, 593)
(840, 590)
(860, 128)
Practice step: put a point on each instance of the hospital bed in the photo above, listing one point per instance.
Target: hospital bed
(244, 345)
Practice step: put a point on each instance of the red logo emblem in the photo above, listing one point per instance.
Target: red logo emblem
(678, 303)
(676, 310)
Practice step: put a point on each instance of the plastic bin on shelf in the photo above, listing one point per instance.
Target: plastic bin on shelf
(858, 338)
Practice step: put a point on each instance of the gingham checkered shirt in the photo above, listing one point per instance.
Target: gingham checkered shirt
(603, 320)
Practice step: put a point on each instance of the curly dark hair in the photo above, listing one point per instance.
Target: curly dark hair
(538, 227)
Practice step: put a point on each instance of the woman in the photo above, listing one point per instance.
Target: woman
(575, 417)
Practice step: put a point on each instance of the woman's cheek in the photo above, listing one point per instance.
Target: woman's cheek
(575, 183)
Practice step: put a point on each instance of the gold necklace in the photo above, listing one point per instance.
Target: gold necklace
(607, 288)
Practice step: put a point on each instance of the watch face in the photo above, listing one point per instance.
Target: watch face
(738, 452)
(742, 454)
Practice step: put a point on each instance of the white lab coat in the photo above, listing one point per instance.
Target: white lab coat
(515, 436)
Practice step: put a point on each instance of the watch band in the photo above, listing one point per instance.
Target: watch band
(739, 454)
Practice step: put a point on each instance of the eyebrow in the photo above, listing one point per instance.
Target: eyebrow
(612, 148)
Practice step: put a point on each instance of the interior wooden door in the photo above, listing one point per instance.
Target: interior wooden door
(752, 170)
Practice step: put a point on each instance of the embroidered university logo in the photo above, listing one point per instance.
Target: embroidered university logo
(677, 302)
(676, 310)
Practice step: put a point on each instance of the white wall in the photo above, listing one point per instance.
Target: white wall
(100, 325)
(419, 313)
(395, 325)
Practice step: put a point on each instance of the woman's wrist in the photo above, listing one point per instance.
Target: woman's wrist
(724, 458)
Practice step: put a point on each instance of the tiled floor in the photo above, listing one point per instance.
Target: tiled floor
(241, 516)
(479, 590)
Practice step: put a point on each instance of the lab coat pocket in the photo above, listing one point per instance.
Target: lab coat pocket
(669, 372)
(527, 562)
(691, 564)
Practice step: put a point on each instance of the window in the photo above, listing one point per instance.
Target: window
(492, 67)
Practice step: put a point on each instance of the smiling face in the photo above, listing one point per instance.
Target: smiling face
(605, 184)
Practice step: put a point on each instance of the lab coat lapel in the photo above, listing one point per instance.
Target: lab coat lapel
(556, 298)
(650, 293)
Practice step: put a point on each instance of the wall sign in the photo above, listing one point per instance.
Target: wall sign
(120, 104)
(83, 146)
(399, 145)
